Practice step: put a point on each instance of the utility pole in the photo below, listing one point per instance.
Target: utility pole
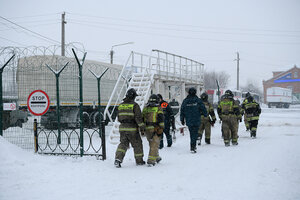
(63, 22)
(238, 70)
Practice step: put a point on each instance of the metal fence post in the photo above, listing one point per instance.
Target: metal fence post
(101, 124)
(57, 73)
(1, 100)
(103, 141)
(80, 99)
(35, 136)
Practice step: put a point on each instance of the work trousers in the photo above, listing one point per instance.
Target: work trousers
(135, 140)
(167, 133)
(205, 126)
(246, 121)
(193, 135)
(229, 129)
(153, 140)
(253, 126)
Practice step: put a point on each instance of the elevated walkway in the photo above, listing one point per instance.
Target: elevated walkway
(161, 72)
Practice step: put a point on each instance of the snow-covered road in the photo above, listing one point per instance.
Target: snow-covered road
(264, 168)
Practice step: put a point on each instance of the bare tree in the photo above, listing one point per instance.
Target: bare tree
(251, 87)
(211, 77)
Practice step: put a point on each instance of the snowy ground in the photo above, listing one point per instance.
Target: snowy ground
(257, 169)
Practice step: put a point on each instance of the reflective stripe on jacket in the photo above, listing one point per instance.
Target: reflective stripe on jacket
(153, 116)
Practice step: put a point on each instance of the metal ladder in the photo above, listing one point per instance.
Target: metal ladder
(140, 79)
(142, 83)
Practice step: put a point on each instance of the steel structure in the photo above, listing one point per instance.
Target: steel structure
(159, 72)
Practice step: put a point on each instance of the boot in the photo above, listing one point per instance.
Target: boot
(169, 140)
(207, 140)
(161, 144)
(158, 159)
(253, 134)
(140, 163)
(150, 164)
(193, 149)
(117, 163)
(227, 144)
(199, 140)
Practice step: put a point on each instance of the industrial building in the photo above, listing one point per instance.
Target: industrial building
(285, 79)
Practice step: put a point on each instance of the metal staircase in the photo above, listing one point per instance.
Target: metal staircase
(146, 72)
(140, 79)
(142, 83)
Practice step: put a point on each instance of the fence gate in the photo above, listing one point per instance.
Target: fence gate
(47, 141)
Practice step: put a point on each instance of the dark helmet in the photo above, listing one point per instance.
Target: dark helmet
(192, 91)
(204, 96)
(229, 94)
(250, 98)
(247, 94)
(159, 96)
(131, 93)
(153, 98)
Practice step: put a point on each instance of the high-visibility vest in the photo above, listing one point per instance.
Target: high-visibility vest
(126, 112)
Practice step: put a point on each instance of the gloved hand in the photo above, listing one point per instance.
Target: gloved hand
(142, 133)
(182, 122)
(240, 119)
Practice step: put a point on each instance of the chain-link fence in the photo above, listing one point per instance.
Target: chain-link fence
(73, 87)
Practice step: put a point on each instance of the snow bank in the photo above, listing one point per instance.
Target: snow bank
(264, 168)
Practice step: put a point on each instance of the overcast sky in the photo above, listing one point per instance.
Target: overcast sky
(266, 33)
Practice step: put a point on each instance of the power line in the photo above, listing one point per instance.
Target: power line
(12, 41)
(34, 21)
(183, 25)
(190, 38)
(181, 30)
(30, 26)
(263, 63)
(31, 16)
(47, 38)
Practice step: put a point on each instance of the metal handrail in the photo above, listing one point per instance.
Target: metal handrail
(186, 68)
(106, 111)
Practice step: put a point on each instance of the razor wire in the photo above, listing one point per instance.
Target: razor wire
(28, 72)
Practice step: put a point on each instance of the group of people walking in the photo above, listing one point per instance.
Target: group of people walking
(196, 113)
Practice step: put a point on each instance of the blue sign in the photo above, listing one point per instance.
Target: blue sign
(286, 79)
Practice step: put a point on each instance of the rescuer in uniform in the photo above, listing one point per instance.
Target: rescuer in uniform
(245, 114)
(228, 112)
(239, 117)
(206, 122)
(190, 112)
(169, 119)
(130, 117)
(252, 110)
(154, 119)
